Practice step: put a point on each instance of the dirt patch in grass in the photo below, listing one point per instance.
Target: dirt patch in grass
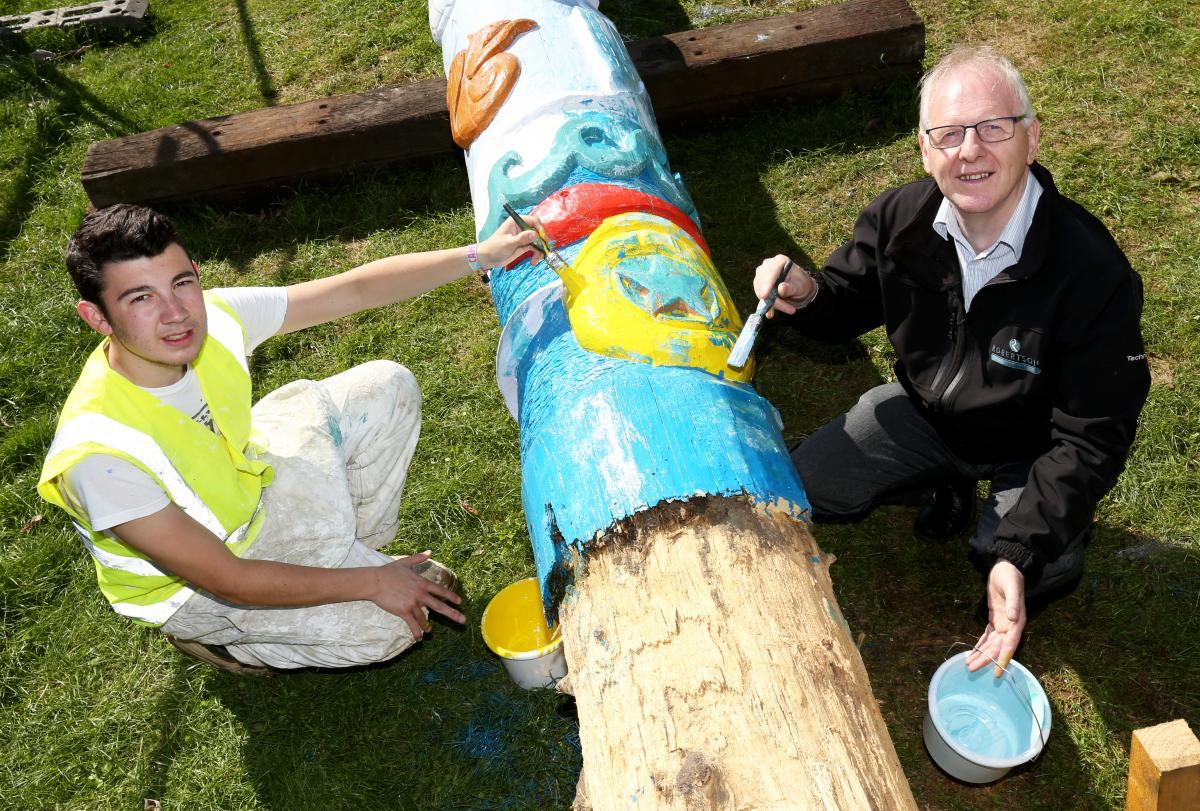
(1162, 372)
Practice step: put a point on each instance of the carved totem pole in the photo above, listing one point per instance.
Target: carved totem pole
(709, 660)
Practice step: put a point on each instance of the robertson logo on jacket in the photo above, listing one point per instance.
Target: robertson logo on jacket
(1011, 357)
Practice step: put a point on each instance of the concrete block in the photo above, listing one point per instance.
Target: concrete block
(107, 14)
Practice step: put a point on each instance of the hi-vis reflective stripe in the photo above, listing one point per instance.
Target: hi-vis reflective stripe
(223, 327)
(103, 430)
(156, 613)
(139, 566)
(91, 427)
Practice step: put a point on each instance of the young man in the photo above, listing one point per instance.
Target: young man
(248, 535)
(1015, 321)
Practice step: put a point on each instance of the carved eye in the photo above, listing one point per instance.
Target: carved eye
(593, 135)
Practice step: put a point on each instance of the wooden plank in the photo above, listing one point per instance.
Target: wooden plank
(708, 71)
(808, 54)
(1164, 769)
(228, 156)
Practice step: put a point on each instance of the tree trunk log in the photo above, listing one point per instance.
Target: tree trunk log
(712, 668)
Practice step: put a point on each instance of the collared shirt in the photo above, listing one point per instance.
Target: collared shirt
(980, 268)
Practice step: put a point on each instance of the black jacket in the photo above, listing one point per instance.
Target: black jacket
(1049, 362)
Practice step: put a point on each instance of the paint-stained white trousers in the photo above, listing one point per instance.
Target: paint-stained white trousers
(341, 448)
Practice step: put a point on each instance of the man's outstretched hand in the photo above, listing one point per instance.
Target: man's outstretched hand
(1006, 619)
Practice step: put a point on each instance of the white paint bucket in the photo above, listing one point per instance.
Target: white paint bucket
(977, 726)
(514, 628)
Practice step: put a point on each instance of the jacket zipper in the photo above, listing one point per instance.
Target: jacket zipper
(952, 386)
(962, 347)
(957, 359)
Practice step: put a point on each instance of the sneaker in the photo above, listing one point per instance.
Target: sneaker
(217, 656)
(947, 512)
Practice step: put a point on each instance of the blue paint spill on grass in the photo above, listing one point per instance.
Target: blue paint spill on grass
(526, 742)
(481, 742)
(460, 670)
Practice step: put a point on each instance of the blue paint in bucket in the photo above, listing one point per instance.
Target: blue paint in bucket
(978, 727)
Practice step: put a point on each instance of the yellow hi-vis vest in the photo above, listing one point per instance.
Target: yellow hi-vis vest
(208, 476)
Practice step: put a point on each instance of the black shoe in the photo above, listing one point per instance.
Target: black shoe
(948, 512)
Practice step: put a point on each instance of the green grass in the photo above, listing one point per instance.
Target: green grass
(95, 713)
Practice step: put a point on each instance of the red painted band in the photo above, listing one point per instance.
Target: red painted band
(572, 213)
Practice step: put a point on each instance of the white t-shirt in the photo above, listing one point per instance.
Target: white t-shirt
(110, 490)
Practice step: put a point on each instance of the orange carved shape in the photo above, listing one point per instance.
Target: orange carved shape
(481, 76)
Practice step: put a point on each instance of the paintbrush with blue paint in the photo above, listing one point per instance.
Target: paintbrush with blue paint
(745, 340)
(556, 262)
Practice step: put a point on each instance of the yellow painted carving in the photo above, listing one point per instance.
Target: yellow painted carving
(642, 289)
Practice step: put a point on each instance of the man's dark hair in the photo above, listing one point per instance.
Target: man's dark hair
(115, 234)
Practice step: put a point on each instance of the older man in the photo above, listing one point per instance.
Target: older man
(1015, 320)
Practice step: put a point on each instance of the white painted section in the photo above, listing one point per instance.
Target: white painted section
(618, 468)
(516, 339)
(554, 83)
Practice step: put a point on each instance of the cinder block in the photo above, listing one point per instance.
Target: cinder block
(108, 14)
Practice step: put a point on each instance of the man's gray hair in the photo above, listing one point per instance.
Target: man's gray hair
(975, 56)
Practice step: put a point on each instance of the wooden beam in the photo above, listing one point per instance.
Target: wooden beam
(230, 156)
(708, 71)
(809, 54)
(1164, 769)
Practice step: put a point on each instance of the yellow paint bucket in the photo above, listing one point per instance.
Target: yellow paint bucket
(514, 628)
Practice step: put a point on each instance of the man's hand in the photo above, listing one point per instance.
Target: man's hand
(174, 541)
(508, 243)
(409, 596)
(794, 291)
(1006, 618)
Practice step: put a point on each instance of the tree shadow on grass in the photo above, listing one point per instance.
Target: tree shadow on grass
(637, 19)
(58, 102)
(262, 76)
(809, 382)
(441, 727)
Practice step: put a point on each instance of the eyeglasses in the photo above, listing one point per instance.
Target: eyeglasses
(991, 131)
